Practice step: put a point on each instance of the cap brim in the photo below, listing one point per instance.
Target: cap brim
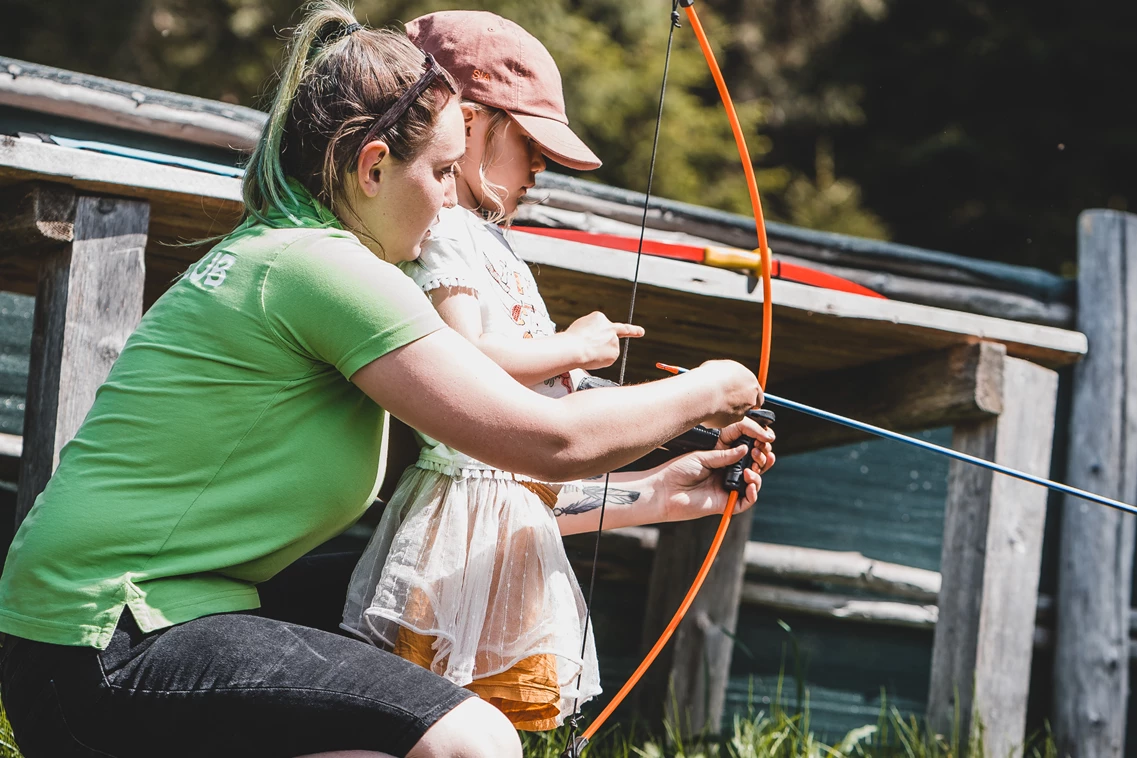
(558, 142)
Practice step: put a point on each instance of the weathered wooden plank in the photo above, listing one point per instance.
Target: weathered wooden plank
(992, 549)
(1091, 678)
(36, 217)
(924, 285)
(89, 300)
(925, 391)
(825, 247)
(104, 101)
(626, 546)
(687, 684)
(185, 205)
(676, 298)
(694, 312)
(844, 607)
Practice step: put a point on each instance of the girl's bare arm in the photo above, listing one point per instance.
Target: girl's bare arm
(590, 342)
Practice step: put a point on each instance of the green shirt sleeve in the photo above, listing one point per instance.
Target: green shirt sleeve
(332, 300)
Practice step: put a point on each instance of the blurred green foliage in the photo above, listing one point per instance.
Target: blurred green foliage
(610, 53)
(972, 126)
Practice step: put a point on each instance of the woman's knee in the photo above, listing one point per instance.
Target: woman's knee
(474, 729)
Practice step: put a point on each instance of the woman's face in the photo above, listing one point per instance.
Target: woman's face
(393, 203)
(509, 160)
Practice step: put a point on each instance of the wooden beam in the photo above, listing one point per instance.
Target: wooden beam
(695, 312)
(1091, 678)
(934, 286)
(103, 101)
(88, 302)
(37, 216)
(185, 205)
(687, 684)
(943, 388)
(844, 607)
(990, 564)
(629, 546)
(691, 312)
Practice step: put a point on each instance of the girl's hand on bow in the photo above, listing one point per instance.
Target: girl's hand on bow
(692, 484)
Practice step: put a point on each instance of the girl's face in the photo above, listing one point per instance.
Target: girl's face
(509, 159)
(393, 203)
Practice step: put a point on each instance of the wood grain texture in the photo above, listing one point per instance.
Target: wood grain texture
(1091, 686)
(844, 607)
(89, 301)
(767, 560)
(992, 549)
(917, 284)
(924, 391)
(185, 205)
(37, 216)
(691, 312)
(94, 99)
(694, 312)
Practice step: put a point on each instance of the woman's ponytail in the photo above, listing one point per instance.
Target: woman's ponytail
(265, 184)
(337, 79)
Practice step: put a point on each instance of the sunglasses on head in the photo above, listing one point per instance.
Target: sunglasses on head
(432, 72)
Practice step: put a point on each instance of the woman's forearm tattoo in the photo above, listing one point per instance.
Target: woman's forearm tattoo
(593, 497)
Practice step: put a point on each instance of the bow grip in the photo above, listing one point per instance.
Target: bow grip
(733, 480)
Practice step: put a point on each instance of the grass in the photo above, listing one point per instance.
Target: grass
(769, 735)
(8, 747)
(779, 733)
(774, 734)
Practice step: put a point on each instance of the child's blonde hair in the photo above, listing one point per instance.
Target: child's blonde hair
(491, 194)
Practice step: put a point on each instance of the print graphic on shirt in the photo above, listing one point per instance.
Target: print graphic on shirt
(498, 276)
(210, 272)
(515, 284)
(519, 312)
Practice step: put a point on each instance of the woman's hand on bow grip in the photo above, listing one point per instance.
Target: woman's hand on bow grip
(738, 387)
(693, 483)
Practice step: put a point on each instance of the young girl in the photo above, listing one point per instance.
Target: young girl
(467, 574)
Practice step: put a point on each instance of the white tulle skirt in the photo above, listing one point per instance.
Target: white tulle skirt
(472, 563)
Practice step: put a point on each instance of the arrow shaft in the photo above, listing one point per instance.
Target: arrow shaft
(947, 451)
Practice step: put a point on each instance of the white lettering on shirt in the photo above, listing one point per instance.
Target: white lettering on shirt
(212, 269)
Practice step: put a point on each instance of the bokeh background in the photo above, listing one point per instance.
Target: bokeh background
(979, 127)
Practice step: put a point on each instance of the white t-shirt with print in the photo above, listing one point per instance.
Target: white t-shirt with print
(467, 252)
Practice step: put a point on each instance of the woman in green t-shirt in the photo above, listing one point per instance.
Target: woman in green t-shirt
(244, 424)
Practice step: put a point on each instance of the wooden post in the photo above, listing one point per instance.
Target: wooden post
(990, 564)
(1091, 658)
(687, 685)
(88, 301)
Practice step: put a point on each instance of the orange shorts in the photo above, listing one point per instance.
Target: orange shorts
(527, 693)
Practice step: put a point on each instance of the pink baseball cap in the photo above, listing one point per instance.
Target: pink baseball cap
(503, 66)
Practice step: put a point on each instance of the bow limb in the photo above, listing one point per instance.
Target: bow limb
(763, 368)
(751, 186)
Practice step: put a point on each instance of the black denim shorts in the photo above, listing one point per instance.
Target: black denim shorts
(280, 682)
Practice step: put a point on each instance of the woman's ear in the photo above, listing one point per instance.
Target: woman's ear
(369, 167)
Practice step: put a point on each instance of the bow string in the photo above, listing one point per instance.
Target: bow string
(576, 744)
